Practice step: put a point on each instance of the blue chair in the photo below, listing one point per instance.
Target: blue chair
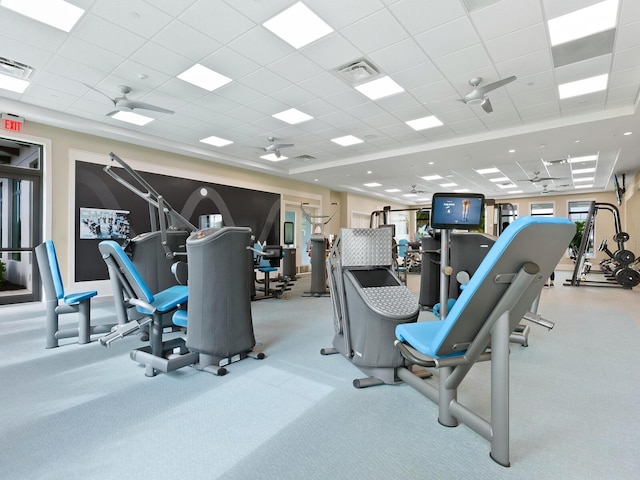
(151, 307)
(479, 325)
(71, 303)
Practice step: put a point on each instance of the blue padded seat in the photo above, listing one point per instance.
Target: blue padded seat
(77, 302)
(180, 318)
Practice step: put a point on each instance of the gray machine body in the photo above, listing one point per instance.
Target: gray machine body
(466, 253)
(369, 301)
(150, 259)
(219, 310)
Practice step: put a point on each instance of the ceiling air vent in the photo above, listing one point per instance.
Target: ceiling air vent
(305, 158)
(358, 72)
(15, 69)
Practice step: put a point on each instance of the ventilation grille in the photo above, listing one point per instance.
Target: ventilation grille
(305, 158)
(358, 72)
(15, 69)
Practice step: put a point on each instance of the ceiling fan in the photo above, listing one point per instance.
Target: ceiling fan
(276, 147)
(125, 104)
(478, 96)
(413, 191)
(546, 190)
(537, 178)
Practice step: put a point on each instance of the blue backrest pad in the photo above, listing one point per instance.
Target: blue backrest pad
(109, 247)
(541, 240)
(55, 269)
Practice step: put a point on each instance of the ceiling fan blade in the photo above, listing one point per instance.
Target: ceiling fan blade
(144, 106)
(100, 92)
(492, 86)
(283, 145)
(486, 105)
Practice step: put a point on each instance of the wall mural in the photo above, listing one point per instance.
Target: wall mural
(190, 198)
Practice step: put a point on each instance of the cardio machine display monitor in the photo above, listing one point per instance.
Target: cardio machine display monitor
(457, 210)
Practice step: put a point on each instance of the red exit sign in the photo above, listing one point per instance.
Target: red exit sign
(13, 125)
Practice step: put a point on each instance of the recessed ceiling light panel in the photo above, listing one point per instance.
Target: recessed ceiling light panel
(216, 141)
(298, 26)
(347, 140)
(379, 88)
(430, 178)
(424, 123)
(584, 22)
(372, 184)
(56, 13)
(13, 84)
(583, 87)
(204, 77)
(292, 116)
(272, 157)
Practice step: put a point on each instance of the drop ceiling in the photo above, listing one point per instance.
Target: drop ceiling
(431, 48)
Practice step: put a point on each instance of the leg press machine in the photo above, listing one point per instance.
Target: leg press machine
(479, 326)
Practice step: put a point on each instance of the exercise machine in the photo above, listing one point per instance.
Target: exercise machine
(369, 301)
(620, 269)
(319, 245)
(479, 325)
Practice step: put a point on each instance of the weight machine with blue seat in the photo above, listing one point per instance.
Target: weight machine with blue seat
(151, 307)
(480, 323)
(79, 302)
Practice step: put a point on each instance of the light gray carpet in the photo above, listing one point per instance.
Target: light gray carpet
(87, 412)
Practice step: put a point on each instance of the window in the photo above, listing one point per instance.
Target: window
(401, 221)
(542, 209)
(578, 211)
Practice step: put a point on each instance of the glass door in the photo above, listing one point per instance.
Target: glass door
(20, 232)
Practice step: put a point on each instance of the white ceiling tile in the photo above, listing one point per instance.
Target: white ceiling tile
(268, 105)
(532, 83)
(238, 92)
(584, 69)
(294, 96)
(467, 127)
(317, 108)
(264, 81)
(338, 13)
(134, 15)
(68, 68)
(324, 85)
(131, 71)
(399, 56)
(19, 51)
(505, 17)
(186, 41)
(295, 67)
(245, 114)
(625, 92)
(89, 54)
(107, 35)
(525, 65)
(347, 99)
(332, 52)
(366, 110)
(396, 102)
(382, 120)
(217, 20)
(553, 8)
(629, 76)
(30, 31)
(418, 75)
(439, 42)
(463, 61)
(230, 63)
(630, 12)
(518, 43)
(159, 58)
(259, 12)
(183, 90)
(628, 58)
(539, 97)
(627, 36)
(172, 7)
(417, 15)
(434, 92)
(368, 36)
(271, 47)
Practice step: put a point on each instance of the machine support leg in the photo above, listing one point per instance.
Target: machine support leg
(500, 391)
(84, 322)
(445, 397)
